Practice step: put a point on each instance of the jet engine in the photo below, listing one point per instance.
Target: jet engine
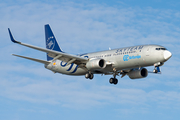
(138, 73)
(96, 64)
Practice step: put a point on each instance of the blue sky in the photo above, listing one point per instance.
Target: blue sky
(29, 91)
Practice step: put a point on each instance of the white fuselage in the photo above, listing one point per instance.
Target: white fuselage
(117, 59)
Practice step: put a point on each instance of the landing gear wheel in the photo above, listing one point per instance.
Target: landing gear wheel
(155, 71)
(89, 76)
(113, 81)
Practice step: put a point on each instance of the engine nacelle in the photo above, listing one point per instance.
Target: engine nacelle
(140, 73)
(96, 64)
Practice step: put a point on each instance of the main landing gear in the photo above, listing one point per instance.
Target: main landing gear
(89, 76)
(113, 80)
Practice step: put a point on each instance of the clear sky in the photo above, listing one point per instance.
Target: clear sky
(28, 91)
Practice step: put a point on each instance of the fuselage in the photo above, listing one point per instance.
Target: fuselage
(118, 59)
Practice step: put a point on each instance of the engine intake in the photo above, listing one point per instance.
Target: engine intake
(140, 73)
(96, 64)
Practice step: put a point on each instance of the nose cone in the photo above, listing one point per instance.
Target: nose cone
(167, 55)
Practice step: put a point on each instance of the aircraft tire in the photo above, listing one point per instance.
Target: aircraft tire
(155, 71)
(87, 75)
(91, 76)
(113, 81)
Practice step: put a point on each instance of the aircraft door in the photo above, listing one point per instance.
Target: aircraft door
(148, 56)
(148, 50)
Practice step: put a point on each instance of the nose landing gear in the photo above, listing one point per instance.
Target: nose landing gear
(157, 67)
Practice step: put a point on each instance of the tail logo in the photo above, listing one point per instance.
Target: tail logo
(50, 42)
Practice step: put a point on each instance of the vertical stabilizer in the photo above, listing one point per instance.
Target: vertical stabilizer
(51, 42)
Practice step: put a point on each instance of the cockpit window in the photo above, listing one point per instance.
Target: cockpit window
(157, 48)
(161, 49)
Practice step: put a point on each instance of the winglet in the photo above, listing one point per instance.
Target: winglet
(12, 38)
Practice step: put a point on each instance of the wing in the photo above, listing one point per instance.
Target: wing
(54, 54)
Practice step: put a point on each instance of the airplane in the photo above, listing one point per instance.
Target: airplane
(129, 61)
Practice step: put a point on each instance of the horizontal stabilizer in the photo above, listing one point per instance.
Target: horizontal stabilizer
(33, 59)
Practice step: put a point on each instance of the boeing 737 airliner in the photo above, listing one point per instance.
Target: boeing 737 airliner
(123, 61)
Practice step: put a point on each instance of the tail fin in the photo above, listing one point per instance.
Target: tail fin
(51, 42)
